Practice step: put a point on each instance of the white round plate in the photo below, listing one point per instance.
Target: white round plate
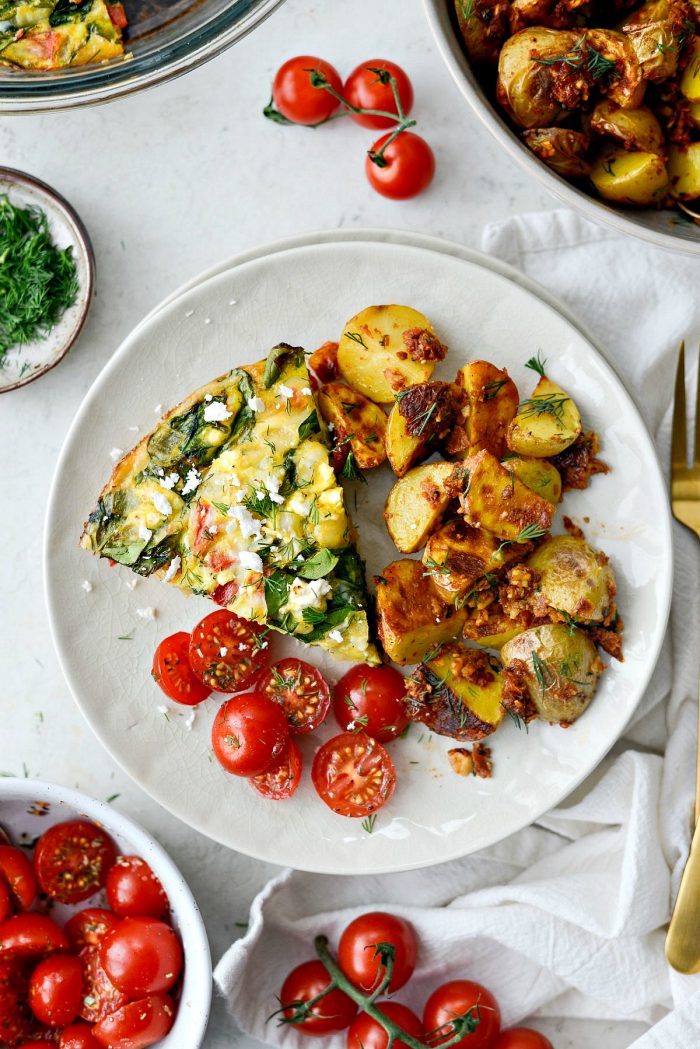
(303, 295)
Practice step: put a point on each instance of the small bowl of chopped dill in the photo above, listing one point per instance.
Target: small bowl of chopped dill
(47, 271)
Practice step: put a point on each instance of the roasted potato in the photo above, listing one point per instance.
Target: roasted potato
(493, 402)
(694, 114)
(546, 423)
(496, 500)
(458, 555)
(684, 171)
(636, 129)
(561, 148)
(384, 349)
(690, 81)
(557, 668)
(575, 579)
(358, 425)
(323, 364)
(412, 618)
(474, 631)
(623, 83)
(484, 27)
(630, 178)
(526, 82)
(457, 692)
(417, 502)
(422, 418)
(539, 475)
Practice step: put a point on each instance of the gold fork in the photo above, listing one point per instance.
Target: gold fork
(683, 939)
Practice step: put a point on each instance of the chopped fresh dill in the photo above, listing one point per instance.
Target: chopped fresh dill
(536, 364)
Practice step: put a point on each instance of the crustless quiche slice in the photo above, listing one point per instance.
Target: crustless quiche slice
(233, 496)
(53, 34)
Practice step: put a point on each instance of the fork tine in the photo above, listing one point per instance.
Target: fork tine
(679, 445)
(696, 442)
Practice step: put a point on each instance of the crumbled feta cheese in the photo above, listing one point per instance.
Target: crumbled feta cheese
(216, 412)
(235, 481)
(208, 397)
(173, 568)
(307, 594)
(115, 454)
(192, 480)
(248, 524)
(306, 390)
(146, 613)
(223, 650)
(87, 586)
(285, 391)
(273, 487)
(250, 560)
(162, 709)
(145, 533)
(170, 481)
(189, 720)
(162, 504)
(256, 404)
(335, 635)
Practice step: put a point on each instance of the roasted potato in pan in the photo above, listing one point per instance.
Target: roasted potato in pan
(526, 86)
(484, 27)
(496, 500)
(417, 502)
(538, 474)
(457, 692)
(546, 423)
(358, 425)
(622, 82)
(684, 172)
(575, 579)
(423, 417)
(458, 554)
(412, 618)
(561, 148)
(635, 129)
(638, 179)
(493, 401)
(690, 81)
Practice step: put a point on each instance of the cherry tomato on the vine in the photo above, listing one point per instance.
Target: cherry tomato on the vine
(133, 890)
(407, 169)
(249, 734)
(16, 870)
(282, 780)
(174, 675)
(369, 87)
(141, 956)
(357, 955)
(333, 1013)
(522, 1038)
(138, 1024)
(78, 1036)
(295, 96)
(353, 774)
(87, 927)
(71, 860)
(226, 652)
(100, 996)
(56, 990)
(457, 998)
(300, 690)
(366, 1033)
(30, 936)
(371, 697)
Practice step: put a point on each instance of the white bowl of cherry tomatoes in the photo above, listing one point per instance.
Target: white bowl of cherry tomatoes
(102, 945)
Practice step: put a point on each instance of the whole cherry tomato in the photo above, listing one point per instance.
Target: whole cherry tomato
(369, 87)
(226, 651)
(301, 691)
(138, 1024)
(141, 956)
(366, 1033)
(133, 890)
(295, 96)
(71, 860)
(459, 998)
(407, 168)
(31, 935)
(353, 774)
(333, 1013)
(78, 1036)
(100, 996)
(17, 871)
(358, 957)
(282, 780)
(371, 698)
(249, 734)
(56, 990)
(173, 674)
(87, 927)
(5, 901)
(522, 1038)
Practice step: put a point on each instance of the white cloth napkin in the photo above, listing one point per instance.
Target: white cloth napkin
(566, 916)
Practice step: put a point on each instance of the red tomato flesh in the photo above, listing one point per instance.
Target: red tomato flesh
(300, 690)
(17, 871)
(16, 1020)
(5, 901)
(55, 990)
(133, 890)
(369, 87)
(409, 167)
(117, 15)
(249, 734)
(71, 860)
(78, 1036)
(366, 1033)
(333, 1013)
(100, 996)
(31, 935)
(173, 674)
(87, 927)
(459, 998)
(141, 956)
(357, 955)
(371, 698)
(226, 652)
(353, 774)
(295, 96)
(281, 781)
(137, 1025)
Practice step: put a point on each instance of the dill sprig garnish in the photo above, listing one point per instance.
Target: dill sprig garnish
(525, 535)
(583, 57)
(536, 364)
(38, 281)
(546, 404)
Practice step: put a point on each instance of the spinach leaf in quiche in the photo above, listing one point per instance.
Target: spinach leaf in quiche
(279, 358)
(318, 566)
(69, 11)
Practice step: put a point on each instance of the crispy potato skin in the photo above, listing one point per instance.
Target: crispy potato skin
(459, 554)
(561, 148)
(635, 129)
(422, 418)
(496, 500)
(358, 424)
(575, 579)
(627, 87)
(417, 502)
(579, 462)
(485, 29)
(457, 693)
(526, 88)
(546, 423)
(493, 402)
(323, 364)
(684, 170)
(412, 618)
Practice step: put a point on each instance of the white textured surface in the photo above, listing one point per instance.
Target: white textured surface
(167, 183)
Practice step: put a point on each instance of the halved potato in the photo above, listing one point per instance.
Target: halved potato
(422, 417)
(526, 79)
(546, 423)
(483, 27)
(384, 349)
(496, 500)
(630, 178)
(690, 81)
(458, 692)
(458, 555)
(575, 579)
(493, 402)
(636, 129)
(538, 474)
(561, 148)
(555, 667)
(358, 425)
(412, 618)
(684, 171)
(417, 502)
(623, 84)
(694, 112)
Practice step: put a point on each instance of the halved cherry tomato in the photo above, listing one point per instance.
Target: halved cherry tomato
(249, 734)
(371, 698)
(87, 927)
(333, 1013)
(173, 674)
(366, 1033)
(31, 935)
(5, 901)
(226, 652)
(71, 860)
(357, 954)
(281, 781)
(55, 990)
(34, 1044)
(522, 1038)
(78, 1036)
(100, 996)
(141, 956)
(138, 1024)
(300, 690)
(17, 871)
(369, 87)
(459, 998)
(295, 96)
(16, 1020)
(408, 169)
(117, 15)
(134, 891)
(353, 774)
